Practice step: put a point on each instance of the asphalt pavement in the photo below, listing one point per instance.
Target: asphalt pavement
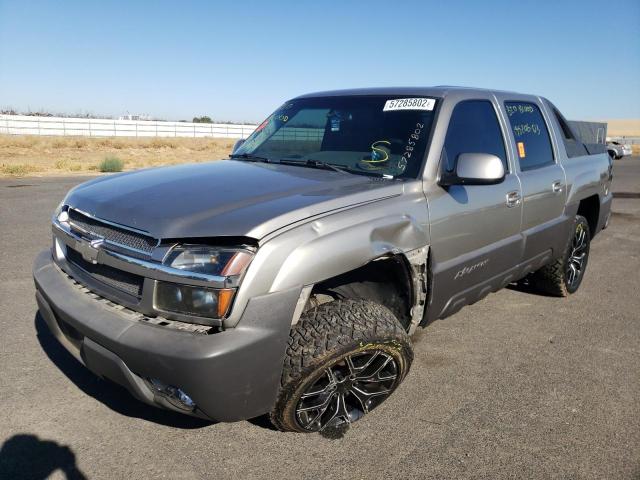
(518, 385)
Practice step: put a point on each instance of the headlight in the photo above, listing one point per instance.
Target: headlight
(201, 301)
(223, 262)
(198, 301)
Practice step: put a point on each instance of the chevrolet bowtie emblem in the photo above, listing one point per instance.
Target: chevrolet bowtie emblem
(89, 250)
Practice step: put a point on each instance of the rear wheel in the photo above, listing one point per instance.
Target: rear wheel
(565, 275)
(344, 359)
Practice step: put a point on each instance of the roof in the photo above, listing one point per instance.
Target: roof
(436, 91)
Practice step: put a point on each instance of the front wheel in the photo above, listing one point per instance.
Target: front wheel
(344, 359)
(563, 277)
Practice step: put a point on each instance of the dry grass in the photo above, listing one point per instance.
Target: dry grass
(623, 128)
(33, 155)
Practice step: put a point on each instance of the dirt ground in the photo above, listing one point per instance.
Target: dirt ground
(623, 128)
(22, 155)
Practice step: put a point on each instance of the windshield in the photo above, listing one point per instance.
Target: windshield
(385, 135)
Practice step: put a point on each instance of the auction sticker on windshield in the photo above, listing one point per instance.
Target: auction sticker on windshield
(409, 104)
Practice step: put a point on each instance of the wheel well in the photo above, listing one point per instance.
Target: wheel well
(386, 281)
(589, 208)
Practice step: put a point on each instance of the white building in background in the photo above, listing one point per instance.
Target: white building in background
(135, 117)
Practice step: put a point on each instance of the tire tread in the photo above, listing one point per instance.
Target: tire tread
(331, 327)
(551, 278)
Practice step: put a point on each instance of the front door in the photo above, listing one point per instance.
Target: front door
(475, 229)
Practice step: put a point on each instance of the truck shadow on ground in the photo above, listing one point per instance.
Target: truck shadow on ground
(121, 401)
(526, 286)
(25, 456)
(110, 394)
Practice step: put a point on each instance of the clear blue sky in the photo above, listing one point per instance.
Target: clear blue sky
(238, 60)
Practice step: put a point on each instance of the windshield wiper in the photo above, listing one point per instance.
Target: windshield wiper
(250, 157)
(314, 164)
(368, 173)
(311, 163)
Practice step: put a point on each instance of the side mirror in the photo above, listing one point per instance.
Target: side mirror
(237, 145)
(475, 169)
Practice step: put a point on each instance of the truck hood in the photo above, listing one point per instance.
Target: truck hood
(223, 198)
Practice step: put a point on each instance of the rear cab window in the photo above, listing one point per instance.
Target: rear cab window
(572, 146)
(533, 143)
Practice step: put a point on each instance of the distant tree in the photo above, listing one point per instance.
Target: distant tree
(203, 119)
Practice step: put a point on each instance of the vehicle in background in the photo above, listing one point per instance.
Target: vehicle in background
(288, 279)
(617, 150)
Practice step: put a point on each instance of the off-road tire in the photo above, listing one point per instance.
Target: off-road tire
(325, 336)
(552, 279)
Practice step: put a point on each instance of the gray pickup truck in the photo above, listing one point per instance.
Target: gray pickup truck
(288, 279)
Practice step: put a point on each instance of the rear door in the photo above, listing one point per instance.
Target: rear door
(542, 179)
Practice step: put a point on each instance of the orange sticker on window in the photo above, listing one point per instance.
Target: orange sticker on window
(521, 152)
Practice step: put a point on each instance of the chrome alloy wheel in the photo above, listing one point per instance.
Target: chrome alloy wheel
(578, 255)
(347, 390)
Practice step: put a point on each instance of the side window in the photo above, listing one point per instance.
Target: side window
(473, 128)
(533, 145)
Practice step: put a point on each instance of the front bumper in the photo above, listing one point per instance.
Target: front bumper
(231, 375)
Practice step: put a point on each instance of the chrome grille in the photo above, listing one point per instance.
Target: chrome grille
(122, 236)
(124, 281)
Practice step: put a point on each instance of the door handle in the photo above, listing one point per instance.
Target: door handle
(513, 199)
(556, 186)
